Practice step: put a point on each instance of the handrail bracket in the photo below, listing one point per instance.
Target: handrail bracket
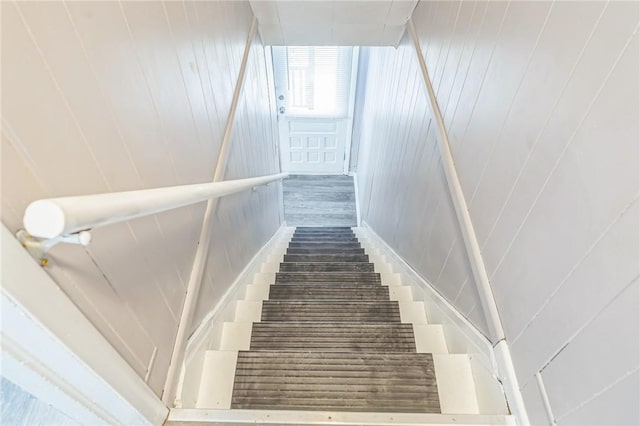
(38, 247)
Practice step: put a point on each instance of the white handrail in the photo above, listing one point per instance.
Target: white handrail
(55, 217)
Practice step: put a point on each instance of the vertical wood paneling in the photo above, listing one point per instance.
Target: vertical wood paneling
(544, 134)
(112, 96)
(598, 410)
(399, 166)
(569, 313)
(244, 222)
(564, 378)
(518, 39)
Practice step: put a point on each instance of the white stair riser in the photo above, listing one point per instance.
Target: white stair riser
(248, 311)
(236, 336)
(455, 384)
(216, 385)
(257, 292)
(430, 339)
(413, 312)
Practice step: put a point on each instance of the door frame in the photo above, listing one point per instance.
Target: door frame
(351, 108)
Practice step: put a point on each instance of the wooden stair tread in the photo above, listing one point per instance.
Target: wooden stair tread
(324, 250)
(333, 337)
(319, 292)
(308, 277)
(309, 258)
(360, 383)
(343, 311)
(312, 267)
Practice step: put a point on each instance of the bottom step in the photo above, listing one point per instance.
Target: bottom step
(381, 382)
(455, 385)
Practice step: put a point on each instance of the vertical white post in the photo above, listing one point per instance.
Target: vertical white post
(200, 260)
(480, 276)
(353, 81)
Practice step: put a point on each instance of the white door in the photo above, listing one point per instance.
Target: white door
(314, 92)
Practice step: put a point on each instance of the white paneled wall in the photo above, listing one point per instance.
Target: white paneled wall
(245, 221)
(404, 196)
(540, 100)
(112, 96)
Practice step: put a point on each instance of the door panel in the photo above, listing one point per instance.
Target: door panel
(313, 145)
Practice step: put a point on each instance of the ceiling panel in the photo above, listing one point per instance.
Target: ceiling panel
(341, 23)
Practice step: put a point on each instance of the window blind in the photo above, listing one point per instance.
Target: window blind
(318, 79)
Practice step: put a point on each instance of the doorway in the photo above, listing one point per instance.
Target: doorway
(315, 95)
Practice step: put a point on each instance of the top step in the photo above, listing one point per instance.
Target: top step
(324, 237)
(323, 234)
(324, 244)
(323, 228)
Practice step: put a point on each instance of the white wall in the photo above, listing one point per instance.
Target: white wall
(244, 222)
(540, 101)
(403, 191)
(109, 96)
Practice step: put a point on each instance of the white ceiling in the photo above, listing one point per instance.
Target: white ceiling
(332, 23)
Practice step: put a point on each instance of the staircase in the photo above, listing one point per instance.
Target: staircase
(330, 338)
(327, 328)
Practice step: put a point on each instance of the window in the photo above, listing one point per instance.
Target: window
(318, 80)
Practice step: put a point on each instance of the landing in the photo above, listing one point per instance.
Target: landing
(319, 201)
